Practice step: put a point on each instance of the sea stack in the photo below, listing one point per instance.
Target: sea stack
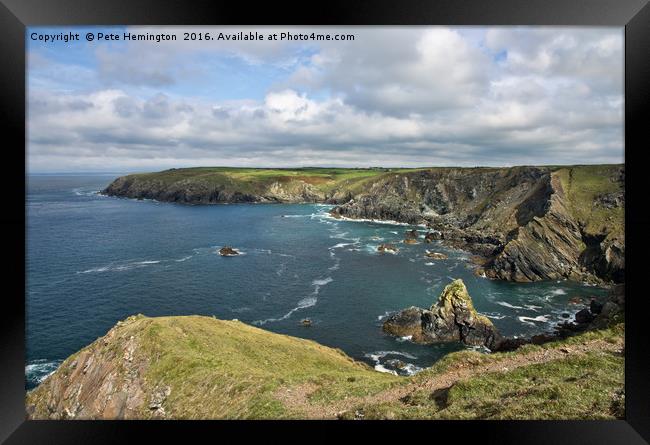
(451, 318)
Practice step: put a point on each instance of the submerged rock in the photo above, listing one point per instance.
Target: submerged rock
(451, 318)
(436, 255)
(228, 251)
(387, 247)
(411, 234)
(410, 241)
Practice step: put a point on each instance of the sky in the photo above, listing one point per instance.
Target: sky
(392, 97)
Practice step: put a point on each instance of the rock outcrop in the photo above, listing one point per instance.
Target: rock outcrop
(529, 223)
(387, 248)
(435, 255)
(451, 319)
(228, 251)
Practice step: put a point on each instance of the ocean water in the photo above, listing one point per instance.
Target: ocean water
(94, 260)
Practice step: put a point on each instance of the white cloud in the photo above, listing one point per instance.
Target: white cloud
(394, 97)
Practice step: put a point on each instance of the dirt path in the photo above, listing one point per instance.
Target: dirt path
(297, 397)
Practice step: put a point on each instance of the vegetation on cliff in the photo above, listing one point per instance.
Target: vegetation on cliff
(196, 367)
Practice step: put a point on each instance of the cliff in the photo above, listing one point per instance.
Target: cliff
(195, 367)
(525, 223)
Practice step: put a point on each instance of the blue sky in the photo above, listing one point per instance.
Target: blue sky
(418, 96)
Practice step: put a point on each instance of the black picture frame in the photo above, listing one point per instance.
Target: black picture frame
(16, 15)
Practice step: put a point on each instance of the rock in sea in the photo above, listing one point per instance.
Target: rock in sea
(228, 251)
(451, 318)
(436, 255)
(387, 247)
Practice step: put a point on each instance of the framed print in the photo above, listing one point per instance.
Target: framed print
(235, 216)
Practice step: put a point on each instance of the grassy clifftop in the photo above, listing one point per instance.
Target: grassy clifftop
(198, 367)
(230, 184)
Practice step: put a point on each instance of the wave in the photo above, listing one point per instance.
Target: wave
(302, 304)
(336, 266)
(385, 315)
(120, 267)
(511, 306)
(496, 317)
(532, 320)
(38, 370)
(558, 292)
(299, 216)
(381, 354)
(183, 259)
(376, 221)
(80, 192)
(340, 245)
(407, 368)
(322, 282)
(306, 302)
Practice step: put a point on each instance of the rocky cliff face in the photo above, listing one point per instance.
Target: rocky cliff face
(192, 191)
(528, 223)
(521, 220)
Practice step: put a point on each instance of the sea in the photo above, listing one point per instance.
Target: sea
(93, 260)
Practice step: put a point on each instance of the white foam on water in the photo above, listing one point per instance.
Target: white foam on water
(533, 320)
(306, 302)
(340, 245)
(411, 369)
(495, 317)
(183, 259)
(39, 370)
(80, 192)
(120, 267)
(376, 221)
(381, 354)
(511, 306)
(322, 282)
(429, 264)
(558, 292)
(385, 315)
(381, 368)
(405, 338)
(336, 266)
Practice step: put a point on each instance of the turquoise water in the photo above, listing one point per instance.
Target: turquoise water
(94, 260)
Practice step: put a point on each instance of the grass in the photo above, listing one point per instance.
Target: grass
(231, 369)
(254, 179)
(588, 386)
(581, 186)
(227, 369)
(583, 387)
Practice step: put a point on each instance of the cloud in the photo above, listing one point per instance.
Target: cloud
(393, 97)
